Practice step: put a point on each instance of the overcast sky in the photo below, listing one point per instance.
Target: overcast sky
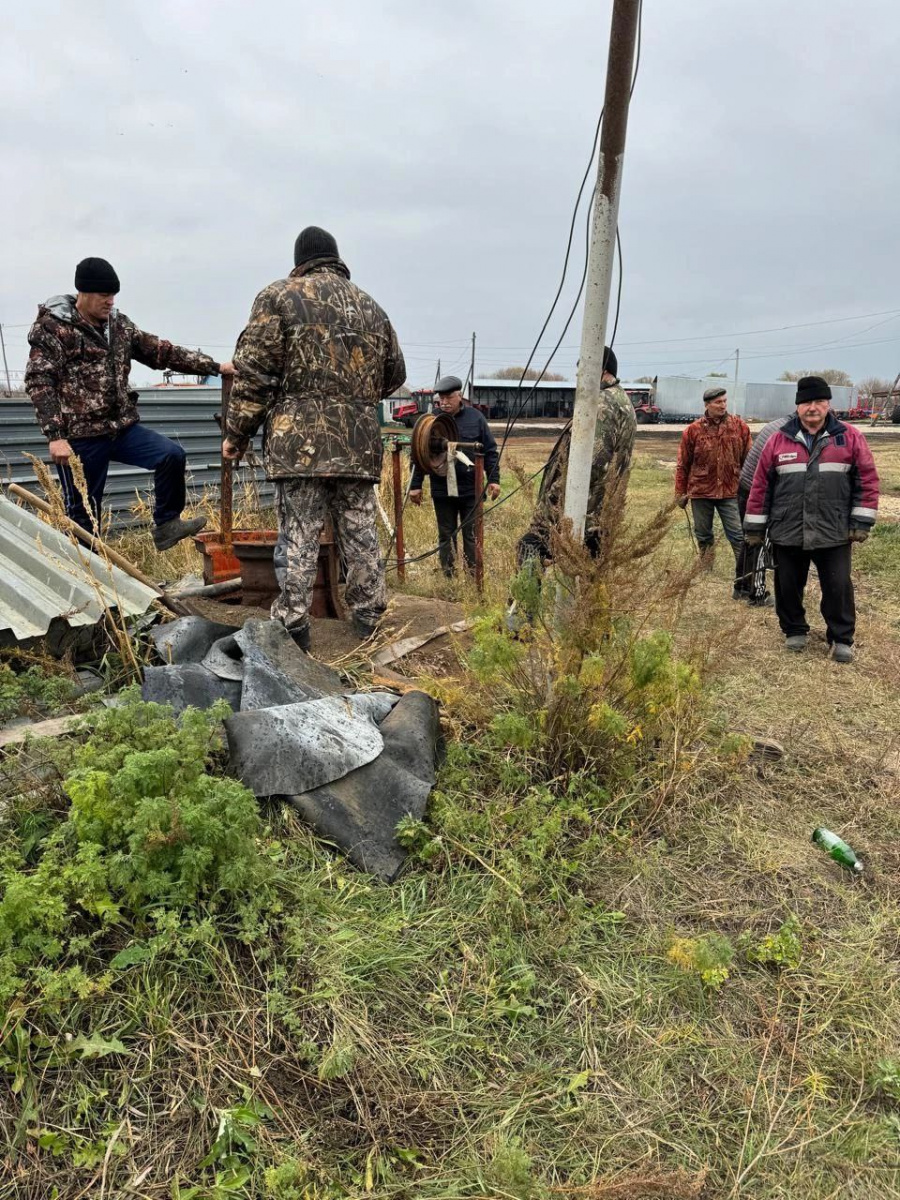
(443, 145)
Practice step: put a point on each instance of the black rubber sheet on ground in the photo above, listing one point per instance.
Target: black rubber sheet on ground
(256, 667)
(188, 685)
(360, 812)
(297, 747)
(353, 765)
(276, 671)
(187, 640)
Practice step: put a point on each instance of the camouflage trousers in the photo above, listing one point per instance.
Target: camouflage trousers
(301, 505)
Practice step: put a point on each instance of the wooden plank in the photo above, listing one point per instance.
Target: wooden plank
(53, 727)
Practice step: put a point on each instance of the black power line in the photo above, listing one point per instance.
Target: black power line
(519, 409)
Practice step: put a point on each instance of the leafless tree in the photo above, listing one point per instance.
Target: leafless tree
(518, 373)
(872, 384)
(829, 374)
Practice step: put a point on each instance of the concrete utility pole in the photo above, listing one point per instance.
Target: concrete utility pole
(737, 359)
(472, 374)
(622, 40)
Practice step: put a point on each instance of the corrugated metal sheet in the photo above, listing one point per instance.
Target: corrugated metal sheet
(184, 414)
(44, 576)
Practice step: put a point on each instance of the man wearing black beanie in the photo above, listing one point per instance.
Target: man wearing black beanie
(815, 492)
(316, 358)
(77, 379)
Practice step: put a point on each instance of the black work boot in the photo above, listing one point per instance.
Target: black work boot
(363, 629)
(170, 533)
(300, 637)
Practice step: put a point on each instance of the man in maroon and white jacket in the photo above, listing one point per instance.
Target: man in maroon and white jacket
(815, 490)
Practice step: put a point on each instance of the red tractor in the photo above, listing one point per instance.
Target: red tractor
(642, 398)
(406, 413)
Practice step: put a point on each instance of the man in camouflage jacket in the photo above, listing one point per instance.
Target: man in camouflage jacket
(77, 379)
(613, 447)
(313, 363)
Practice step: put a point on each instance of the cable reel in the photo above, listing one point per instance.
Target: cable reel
(430, 437)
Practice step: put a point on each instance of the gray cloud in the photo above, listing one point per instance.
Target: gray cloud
(443, 147)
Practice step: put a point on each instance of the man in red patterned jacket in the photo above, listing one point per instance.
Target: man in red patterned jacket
(710, 458)
(816, 491)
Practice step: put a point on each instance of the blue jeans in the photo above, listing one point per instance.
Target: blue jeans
(135, 446)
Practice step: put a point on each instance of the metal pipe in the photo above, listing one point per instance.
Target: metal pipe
(398, 510)
(210, 589)
(226, 485)
(479, 521)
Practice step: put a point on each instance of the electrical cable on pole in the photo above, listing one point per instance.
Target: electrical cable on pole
(472, 373)
(513, 416)
(589, 385)
(5, 363)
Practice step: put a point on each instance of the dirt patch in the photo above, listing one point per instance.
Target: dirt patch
(333, 641)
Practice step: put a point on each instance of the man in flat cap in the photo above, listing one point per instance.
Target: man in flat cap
(815, 492)
(77, 380)
(316, 357)
(710, 457)
(456, 514)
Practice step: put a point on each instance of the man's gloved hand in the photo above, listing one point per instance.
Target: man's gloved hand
(754, 539)
(858, 535)
(415, 497)
(683, 501)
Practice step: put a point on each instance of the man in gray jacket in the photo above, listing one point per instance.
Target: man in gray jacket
(750, 578)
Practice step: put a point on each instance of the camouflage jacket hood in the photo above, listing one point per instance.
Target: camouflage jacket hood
(316, 357)
(77, 373)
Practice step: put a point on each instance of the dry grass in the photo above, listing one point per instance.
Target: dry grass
(504, 1021)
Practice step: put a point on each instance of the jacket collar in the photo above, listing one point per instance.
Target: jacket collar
(831, 427)
(328, 262)
(62, 308)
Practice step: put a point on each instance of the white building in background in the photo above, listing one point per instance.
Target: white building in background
(678, 396)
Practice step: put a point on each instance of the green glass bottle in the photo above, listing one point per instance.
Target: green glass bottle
(837, 848)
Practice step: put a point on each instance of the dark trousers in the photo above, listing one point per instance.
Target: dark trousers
(702, 512)
(750, 575)
(455, 514)
(838, 607)
(135, 446)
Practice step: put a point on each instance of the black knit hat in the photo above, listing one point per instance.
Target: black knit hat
(610, 362)
(96, 275)
(314, 242)
(812, 387)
